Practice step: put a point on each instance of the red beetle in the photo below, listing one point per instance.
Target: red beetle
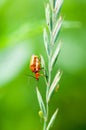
(35, 66)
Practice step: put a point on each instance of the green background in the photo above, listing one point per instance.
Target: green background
(21, 25)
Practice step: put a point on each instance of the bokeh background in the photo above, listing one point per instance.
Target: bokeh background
(21, 25)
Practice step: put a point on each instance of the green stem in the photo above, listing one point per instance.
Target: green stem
(49, 76)
(44, 128)
(47, 90)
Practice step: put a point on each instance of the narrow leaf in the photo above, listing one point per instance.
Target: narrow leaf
(44, 68)
(48, 16)
(42, 62)
(46, 41)
(55, 55)
(52, 119)
(52, 3)
(41, 103)
(56, 30)
(54, 83)
(58, 6)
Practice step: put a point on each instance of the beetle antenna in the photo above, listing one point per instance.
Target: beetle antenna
(30, 76)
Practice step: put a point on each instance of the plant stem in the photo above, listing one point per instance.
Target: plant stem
(49, 68)
(47, 90)
(44, 128)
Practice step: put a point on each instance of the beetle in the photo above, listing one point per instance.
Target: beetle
(35, 66)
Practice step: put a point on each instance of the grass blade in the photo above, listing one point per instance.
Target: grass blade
(42, 62)
(52, 119)
(44, 68)
(54, 83)
(55, 55)
(58, 6)
(46, 41)
(51, 3)
(41, 103)
(56, 29)
(48, 17)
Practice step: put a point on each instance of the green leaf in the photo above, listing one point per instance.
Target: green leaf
(46, 41)
(56, 30)
(53, 85)
(48, 16)
(58, 5)
(55, 55)
(44, 68)
(41, 103)
(51, 3)
(42, 62)
(52, 119)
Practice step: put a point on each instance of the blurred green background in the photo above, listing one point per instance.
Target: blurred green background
(21, 24)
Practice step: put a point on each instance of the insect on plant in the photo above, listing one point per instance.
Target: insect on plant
(50, 36)
(35, 66)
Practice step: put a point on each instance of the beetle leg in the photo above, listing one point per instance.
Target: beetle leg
(43, 75)
(42, 68)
